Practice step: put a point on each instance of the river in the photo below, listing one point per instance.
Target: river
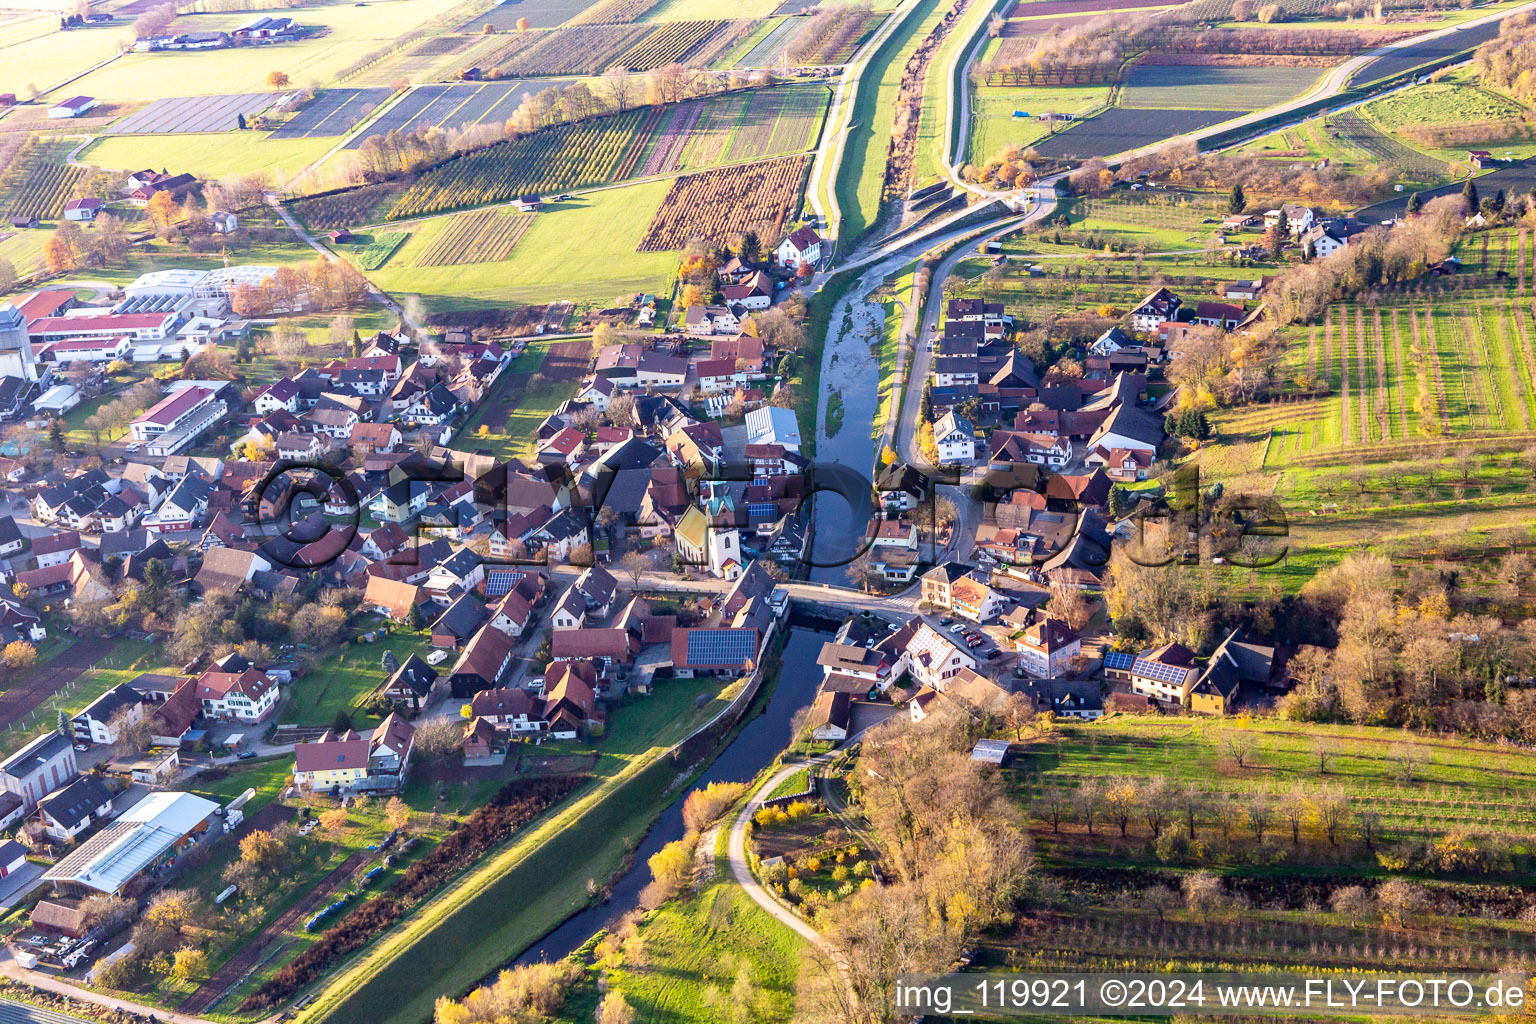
(755, 747)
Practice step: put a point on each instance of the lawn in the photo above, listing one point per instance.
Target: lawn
(993, 125)
(267, 776)
(939, 91)
(583, 251)
(208, 156)
(1213, 88)
(346, 678)
(531, 401)
(861, 172)
(349, 32)
(695, 947)
(507, 902)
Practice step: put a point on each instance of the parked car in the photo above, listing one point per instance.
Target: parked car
(958, 627)
(246, 755)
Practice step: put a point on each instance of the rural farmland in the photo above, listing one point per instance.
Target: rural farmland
(447, 106)
(194, 114)
(332, 112)
(1123, 128)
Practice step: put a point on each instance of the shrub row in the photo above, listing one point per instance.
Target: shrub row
(513, 806)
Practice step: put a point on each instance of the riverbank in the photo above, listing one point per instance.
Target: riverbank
(505, 906)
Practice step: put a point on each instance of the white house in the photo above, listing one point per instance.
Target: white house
(802, 246)
(955, 438)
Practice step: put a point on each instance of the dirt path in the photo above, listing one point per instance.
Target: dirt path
(19, 700)
(227, 977)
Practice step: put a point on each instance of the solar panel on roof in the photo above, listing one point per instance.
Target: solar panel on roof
(1119, 659)
(1158, 672)
(721, 647)
(499, 584)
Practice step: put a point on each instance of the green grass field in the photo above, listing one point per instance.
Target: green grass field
(1438, 103)
(993, 125)
(208, 156)
(887, 348)
(1213, 88)
(939, 91)
(347, 678)
(862, 169)
(583, 251)
(695, 948)
(32, 57)
(352, 32)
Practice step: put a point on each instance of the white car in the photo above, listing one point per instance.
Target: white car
(135, 446)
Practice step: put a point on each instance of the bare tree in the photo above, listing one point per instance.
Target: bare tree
(1238, 747)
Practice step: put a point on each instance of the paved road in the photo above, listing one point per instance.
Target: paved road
(736, 852)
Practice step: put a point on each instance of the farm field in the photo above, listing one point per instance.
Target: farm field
(346, 209)
(45, 60)
(378, 251)
(584, 251)
(672, 43)
(207, 156)
(695, 10)
(1407, 58)
(333, 112)
(770, 49)
(540, 14)
(1239, 89)
(993, 125)
(352, 33)
(38, 183)
(563, 157)
(485, 236)
(1123, 128)
(577, 50)
(715, 205)
(190, 114)
(448, 106)
(1438, 103)
(1285, 871)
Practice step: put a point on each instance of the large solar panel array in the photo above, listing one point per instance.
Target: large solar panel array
(1158, 672)
(721, 646)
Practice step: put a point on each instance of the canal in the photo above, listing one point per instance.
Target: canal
(755, 747)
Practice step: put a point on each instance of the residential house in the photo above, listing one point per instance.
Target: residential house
(413, 686)
(247, 696)
(105, 718)
(1164, 673)
(831, 716)
(1237, 660)
(75, 808)
(483, 664)
(1049, 649)
(1158, 306)
(802, 247)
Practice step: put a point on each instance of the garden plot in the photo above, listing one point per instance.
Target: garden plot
(1123, 128)
(333, 112)
(1162, 86)
(451, 106)
(195, 114)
